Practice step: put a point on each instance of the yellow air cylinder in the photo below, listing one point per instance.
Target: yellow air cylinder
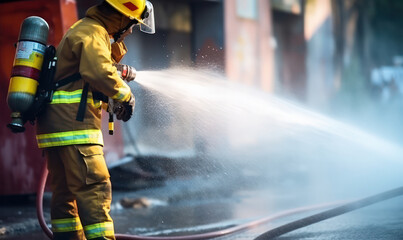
(26, 69)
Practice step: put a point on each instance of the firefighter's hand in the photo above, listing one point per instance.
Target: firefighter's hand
(124, 111)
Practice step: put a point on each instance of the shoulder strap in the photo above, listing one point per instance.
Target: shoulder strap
(83, 101)
(83, 104)
(100, 96)
(84, 94)
(67, 80)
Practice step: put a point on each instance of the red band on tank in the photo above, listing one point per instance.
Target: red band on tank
(25, 71)
(130, 6)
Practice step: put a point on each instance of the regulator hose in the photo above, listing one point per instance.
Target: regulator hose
(208, 235)
(286, 228)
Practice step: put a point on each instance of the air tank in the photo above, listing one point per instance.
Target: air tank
(29, 56)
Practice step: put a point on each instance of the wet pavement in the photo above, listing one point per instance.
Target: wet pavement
(186, 206)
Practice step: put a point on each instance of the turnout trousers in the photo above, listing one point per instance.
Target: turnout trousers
(81, 192)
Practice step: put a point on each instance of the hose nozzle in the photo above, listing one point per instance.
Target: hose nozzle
(126, 72)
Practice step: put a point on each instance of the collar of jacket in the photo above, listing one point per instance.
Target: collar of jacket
(112, 20)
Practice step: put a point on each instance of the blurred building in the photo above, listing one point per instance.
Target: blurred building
(306, 50)
(240, 39)
(189, 33)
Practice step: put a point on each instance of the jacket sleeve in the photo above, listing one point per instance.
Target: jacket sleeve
(96, 67)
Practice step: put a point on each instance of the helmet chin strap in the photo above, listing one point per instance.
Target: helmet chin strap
(117, 35)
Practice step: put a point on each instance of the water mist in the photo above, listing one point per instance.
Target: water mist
(258, 137)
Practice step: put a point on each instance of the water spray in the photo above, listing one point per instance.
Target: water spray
(286, 121)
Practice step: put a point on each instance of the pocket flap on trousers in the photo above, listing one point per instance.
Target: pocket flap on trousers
(96, 168)
(90, 150)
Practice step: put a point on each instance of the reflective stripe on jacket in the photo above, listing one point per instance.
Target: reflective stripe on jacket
(88, 136)
(84, 49)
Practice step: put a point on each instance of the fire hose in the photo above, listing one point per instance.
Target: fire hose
(330, 213)
(338, 209)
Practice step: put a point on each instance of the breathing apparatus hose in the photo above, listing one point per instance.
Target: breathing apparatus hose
(342, 207)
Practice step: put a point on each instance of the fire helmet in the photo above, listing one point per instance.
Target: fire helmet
(140, 10)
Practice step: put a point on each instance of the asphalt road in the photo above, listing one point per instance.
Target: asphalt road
(181, 208)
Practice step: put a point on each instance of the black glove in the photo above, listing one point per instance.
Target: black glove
(124, 110)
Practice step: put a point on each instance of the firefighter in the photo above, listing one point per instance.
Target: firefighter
(69, 130)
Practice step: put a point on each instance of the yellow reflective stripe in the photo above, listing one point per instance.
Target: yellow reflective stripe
(96, 103)
(123, 94)
(89, 136)
(60, 97)
(66, 225)
(66, 97)
(99, 230)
